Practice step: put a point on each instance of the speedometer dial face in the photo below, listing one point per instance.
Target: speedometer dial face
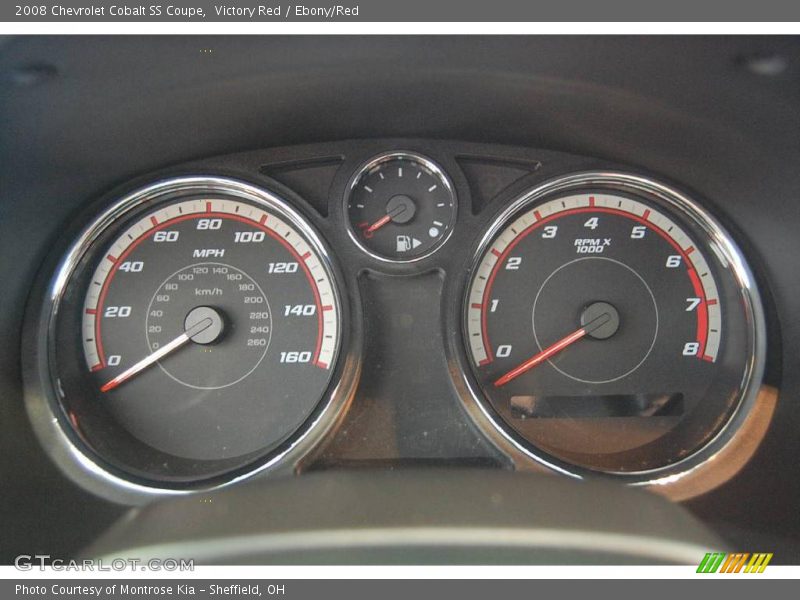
(209, 328)
(609, 326)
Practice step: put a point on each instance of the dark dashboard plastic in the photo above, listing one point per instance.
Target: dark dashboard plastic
(274, 111)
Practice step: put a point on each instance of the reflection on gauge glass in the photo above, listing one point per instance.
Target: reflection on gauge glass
(611, 325)
(400, 207)
(197, 334)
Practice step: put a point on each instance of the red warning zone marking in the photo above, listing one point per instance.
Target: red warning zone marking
(702, 313)
(154, 221)
(263, 219)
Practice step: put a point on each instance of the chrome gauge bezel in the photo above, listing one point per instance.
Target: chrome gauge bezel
(378, 160)
(524, 454)
(42, 389)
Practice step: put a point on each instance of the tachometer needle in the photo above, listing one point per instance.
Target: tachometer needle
(553, 349)
(166, 349)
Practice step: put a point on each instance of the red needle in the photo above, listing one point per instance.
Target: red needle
(396, 212)
(560, 345)
(166, 349)
(378, 224)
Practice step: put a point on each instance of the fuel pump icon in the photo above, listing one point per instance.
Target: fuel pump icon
(406, 243)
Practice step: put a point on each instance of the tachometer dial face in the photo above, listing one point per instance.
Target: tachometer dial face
(400, 207)
(209, 328)
(608, 327)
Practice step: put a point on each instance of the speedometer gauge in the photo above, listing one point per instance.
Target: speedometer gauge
(612, 326)
(195, 333)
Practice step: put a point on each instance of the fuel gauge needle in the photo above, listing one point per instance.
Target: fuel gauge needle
(385, 219)
(553, 349)
(166, 349)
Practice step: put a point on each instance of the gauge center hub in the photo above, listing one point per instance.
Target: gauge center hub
(212, 332)
(601, 310)
(401, 208)
(568, 294)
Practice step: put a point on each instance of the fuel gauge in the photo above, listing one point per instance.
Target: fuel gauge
(400, 207)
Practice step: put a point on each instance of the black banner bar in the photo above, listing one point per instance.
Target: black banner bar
(142, 589)
(343, 11)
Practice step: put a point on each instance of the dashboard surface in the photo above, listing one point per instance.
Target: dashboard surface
(499, 117)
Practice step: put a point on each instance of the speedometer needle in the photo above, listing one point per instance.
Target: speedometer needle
(553, 349)
(166, 349)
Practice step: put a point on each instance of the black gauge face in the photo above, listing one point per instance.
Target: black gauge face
(400, 207)
(198, 335)
(607, 330)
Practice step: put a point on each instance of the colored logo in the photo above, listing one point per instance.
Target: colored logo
(737, 562)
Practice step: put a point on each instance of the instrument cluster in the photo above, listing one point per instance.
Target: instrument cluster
(225, 319)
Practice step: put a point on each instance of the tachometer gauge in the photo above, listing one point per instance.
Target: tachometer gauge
(193, 334)
(612, 326)
(400, 207)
